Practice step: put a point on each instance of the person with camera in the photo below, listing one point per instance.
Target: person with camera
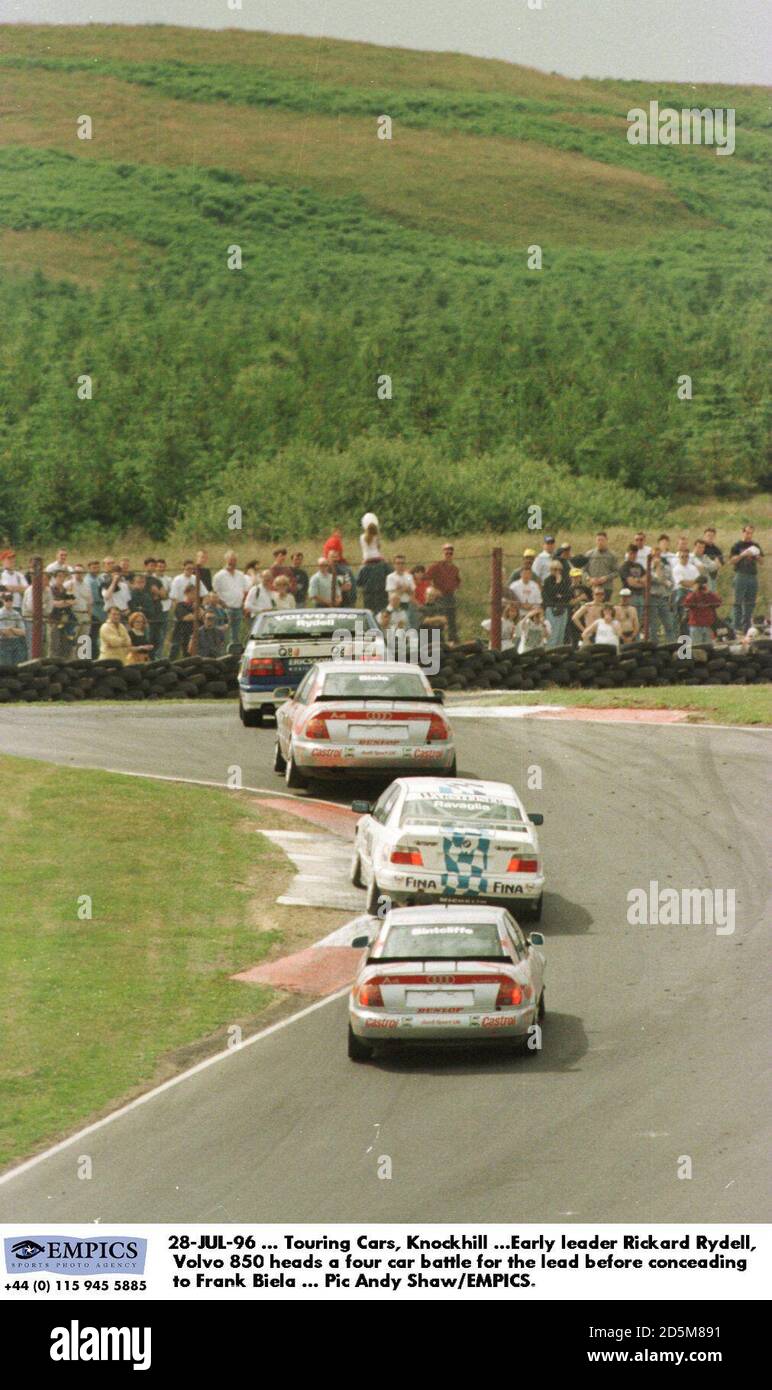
(63, 623)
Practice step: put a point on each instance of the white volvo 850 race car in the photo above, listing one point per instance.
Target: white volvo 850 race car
(362, 717)
(436, 839)
(447, 975)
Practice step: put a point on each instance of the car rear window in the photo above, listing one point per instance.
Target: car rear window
(374, 685)
(443, 941)
(491, 815)
(303, 625)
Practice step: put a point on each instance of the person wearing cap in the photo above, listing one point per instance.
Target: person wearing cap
(601, 563)
(528, 558)
(526, 589)
(13, 644)
(445, 576)
(11, 579)
(556, 592)
(626, 614)
(542, 562)
(323, 591)
(83, 601)
(701, 606)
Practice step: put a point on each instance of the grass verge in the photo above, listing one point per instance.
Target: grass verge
(183, 894)
(711, 704)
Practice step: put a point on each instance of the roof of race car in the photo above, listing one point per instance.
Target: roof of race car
(369, 668)
(458, 788)
(438, 912)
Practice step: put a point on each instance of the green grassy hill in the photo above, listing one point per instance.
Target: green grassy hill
(361, 258)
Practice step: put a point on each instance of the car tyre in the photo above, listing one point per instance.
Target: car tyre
(279, 761)
(294, 779)
(373, 894)
(453, 769)
(356, 871)
(358, 1051)
(537, 907)
(251, 718)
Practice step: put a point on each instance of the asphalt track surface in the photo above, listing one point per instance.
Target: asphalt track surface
(653, 1044)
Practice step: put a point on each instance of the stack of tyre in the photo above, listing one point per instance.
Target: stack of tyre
(49, 678)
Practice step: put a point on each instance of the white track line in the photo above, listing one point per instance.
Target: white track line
(202, 782)
(167, 1086)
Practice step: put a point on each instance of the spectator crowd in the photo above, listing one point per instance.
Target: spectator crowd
(139, 614)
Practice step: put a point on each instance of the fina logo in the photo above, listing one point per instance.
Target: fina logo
(76, 1343)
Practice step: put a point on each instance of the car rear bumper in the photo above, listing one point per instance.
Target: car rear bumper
(375, 1025)
(259, 699)
(319, 755)
(429, 887)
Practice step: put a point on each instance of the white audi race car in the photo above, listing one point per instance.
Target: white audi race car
(365, 718)
(433, 839)
(448, 975)
(284, 644)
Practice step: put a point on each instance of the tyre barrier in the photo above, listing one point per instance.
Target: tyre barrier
(471, 666)
(50, 678)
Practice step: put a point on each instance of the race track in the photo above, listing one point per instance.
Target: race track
(653, 1046)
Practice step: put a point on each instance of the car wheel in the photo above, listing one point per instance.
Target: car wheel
(356, 872)
(279, 763)
(292, 777)
(536, 908)
(373, 894)
(358, 1051)
(252, 718)
(453, 769)
(542, 1009)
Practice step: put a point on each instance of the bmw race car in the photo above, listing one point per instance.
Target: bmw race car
(284, 644)
(362, 717)
(448, 975)
(431, 839)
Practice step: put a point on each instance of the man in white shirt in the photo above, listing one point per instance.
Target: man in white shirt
(260, 597)
(541, 565)
(401, 583)
(80, 588)
(685, 575)
(644, 550)
(60, 563)
(181, 581)
(12, 579)
(231, 587)
(526, 590)
(117, 593)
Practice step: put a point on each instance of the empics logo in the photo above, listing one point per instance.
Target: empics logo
(76, 1343)
(76, 1255)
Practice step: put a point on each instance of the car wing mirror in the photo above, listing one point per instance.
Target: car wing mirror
(536, 938)
(360, 943)
(438, 696)
(282, 692)
(536, 817)
(362, 808)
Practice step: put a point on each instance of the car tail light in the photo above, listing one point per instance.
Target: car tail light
(316, 727)
(407, 856)
(438, 730)
(266, 666)
(370, 996)
(522, 866)
(510, 995)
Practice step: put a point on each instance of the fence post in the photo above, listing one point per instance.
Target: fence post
(194, 639)
(37, 606)
(496, 561)
(646, 598)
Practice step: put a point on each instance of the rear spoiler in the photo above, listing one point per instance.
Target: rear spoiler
(383, 699)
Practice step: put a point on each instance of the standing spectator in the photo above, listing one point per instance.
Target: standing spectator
(605, 629)
(11, 579)
(334, 542)
(140, 600)
(27, 613)
(211, 641)
(707, 564)
(601, 563)
(421, 584)
(231, 587)
(541, 565)
(323, 590)
(661, 598)
(685, 575)
(281, 592)
(125, 564)
(164, 583)
(301, 579)
(184, 618)
(563, 554)
(181, 581)
(60, 563)
(528, 558)
(370, 539)
(526, 589)
(626, 615)
(82, 606)
(644, 550)
(98, 613)
(432, 615)
(260, 597)
(402, 583)
(156, 591)
(444, 576)
(702, 607)
(714, 555)
(141, 648)
(663, 546)
(633, 576)
(202, 560)
(117, 592)
(532, 631)
(372, 581)
(579, 598)
(510, 616)
(210, 603)
(13, 645)
(281, 566)
(746, 557)
(556, 592)
(114, 640)
(588, 613)
(394, 617)
(344, 578)
(62, 622)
